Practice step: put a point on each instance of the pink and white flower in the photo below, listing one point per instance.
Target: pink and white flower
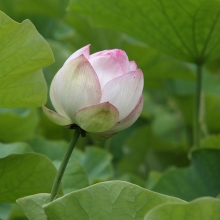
(101, 93)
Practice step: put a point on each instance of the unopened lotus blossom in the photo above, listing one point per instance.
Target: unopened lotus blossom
(101, 93)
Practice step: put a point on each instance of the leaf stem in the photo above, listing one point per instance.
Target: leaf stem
(63, 164)
(197, 106)
(204, 128)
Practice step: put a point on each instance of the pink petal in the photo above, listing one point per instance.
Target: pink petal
(55, 117)
(83, 51)
(123, 59)
(100, 53)
(130, 119)
(106, 68)
(97, 118)
(133, 66)
(75, 86)
(124, 92)
(119, 55)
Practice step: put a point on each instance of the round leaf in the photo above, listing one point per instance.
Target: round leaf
(108, 200)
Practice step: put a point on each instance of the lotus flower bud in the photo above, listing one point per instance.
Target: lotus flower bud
(101, 93)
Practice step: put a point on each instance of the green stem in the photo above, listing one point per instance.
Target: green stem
(197, 106)
(63, 164)
(204, 128)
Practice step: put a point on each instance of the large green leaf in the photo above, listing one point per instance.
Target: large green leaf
(187, 29)
(25, 174)
(32, 206)
(201, 209)
(23, 52)
(107, 200)
(17, 124)
(202, 178)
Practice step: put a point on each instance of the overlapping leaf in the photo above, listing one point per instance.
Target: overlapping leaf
(188, 30)
(202, 209)
(32, 206)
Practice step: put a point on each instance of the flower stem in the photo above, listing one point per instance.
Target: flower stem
(63, 164)
(197, 106)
